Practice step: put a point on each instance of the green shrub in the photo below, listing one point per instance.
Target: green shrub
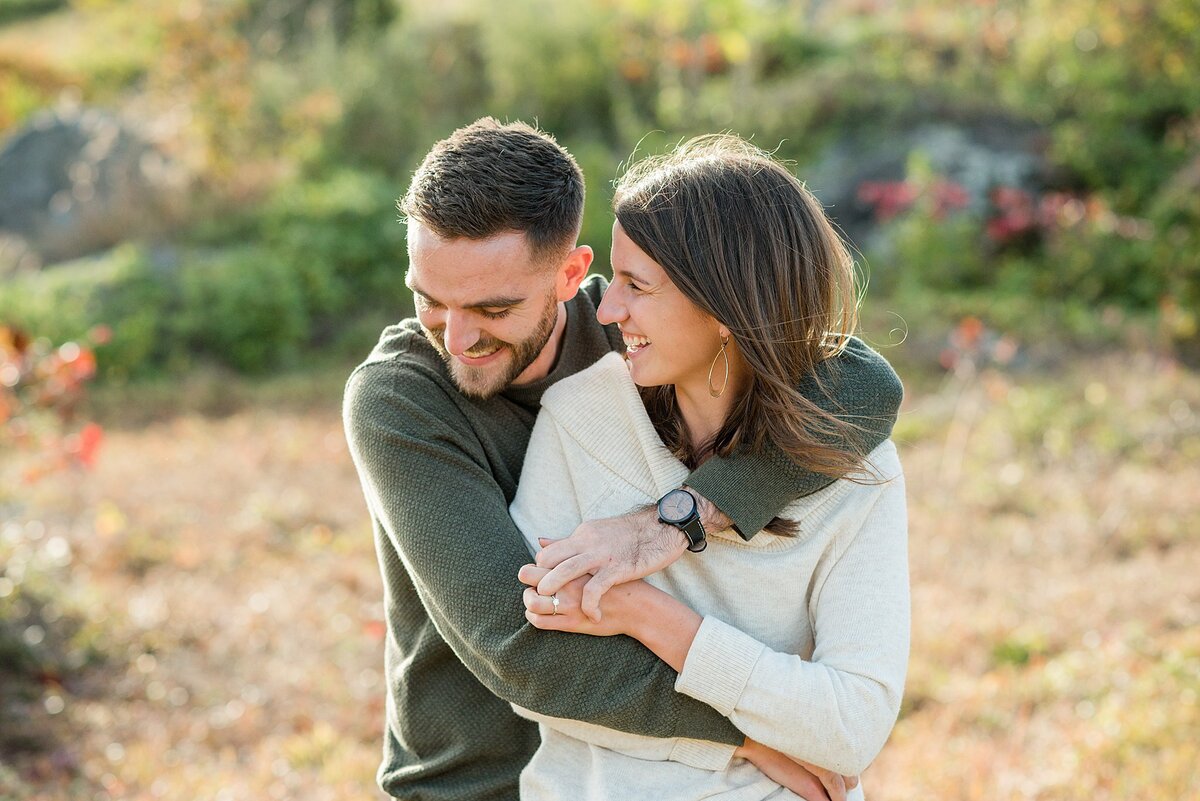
(1175, 253)
(350, 96)
(938, 255)
(340, 238)
(11, 10)
(243, 308)
(319, 253)
(1116, 82)
(120, 290)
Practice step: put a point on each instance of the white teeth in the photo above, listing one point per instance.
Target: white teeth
(633, 343)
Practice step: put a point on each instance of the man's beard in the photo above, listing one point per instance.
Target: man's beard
(485, 382)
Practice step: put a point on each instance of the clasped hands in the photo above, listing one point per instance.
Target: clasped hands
(540, 610)
(619, 605)
(607, 553)
(595, 574)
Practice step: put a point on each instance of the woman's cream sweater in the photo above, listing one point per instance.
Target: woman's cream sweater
(804, 644)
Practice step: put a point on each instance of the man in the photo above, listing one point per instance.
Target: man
(438, 418)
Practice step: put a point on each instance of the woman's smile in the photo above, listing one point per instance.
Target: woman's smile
(634, 344)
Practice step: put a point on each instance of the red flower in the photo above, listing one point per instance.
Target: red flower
(948, 196)
(889, 198)
(1016, 214)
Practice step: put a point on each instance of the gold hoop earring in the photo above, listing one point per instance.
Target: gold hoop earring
(713, 391)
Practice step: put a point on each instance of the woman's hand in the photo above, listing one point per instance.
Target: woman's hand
(652, 617)
(619, 606)
(807, 781)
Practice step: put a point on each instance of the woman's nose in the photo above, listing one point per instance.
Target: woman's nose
(611, 309)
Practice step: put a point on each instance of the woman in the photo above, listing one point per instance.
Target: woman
(729, 286)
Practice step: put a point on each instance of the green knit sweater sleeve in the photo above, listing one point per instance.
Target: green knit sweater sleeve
(859, 386)
(429, 486)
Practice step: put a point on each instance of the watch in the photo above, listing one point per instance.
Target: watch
(678, 508)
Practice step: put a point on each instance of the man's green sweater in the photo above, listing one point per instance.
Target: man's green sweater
(439, 470)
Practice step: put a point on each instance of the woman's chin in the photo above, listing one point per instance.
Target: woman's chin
(644, 377)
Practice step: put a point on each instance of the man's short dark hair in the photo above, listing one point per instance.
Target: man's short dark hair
(489, 178)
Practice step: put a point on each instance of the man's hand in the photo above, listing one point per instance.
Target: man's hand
(616, 550)
(805, 780)
(613, 550)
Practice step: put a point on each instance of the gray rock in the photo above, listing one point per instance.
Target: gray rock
(977, 156)
(75, 181)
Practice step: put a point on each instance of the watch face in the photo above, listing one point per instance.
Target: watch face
(676, 506)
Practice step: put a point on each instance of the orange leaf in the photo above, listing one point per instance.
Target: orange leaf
(89, 442)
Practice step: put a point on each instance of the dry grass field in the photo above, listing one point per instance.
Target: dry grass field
(208, 606)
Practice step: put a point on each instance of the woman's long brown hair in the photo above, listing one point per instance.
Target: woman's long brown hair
(748, 244)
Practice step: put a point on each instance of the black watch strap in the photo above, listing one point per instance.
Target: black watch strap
(694, 531)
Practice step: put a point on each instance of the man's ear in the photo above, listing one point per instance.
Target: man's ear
(572, 272)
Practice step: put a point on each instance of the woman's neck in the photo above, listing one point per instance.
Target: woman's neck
(702, 414)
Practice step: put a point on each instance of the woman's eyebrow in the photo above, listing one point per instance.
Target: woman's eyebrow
(632, 276)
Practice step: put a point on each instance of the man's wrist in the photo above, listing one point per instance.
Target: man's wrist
(673, 538)
(712, 517)
(669, 537)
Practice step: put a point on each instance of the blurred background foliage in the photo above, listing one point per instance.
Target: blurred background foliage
(301, 121)
(1021, 179)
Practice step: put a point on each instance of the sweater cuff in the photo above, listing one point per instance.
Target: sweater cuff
(702, 754)
(718, 665)
(751, 489)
